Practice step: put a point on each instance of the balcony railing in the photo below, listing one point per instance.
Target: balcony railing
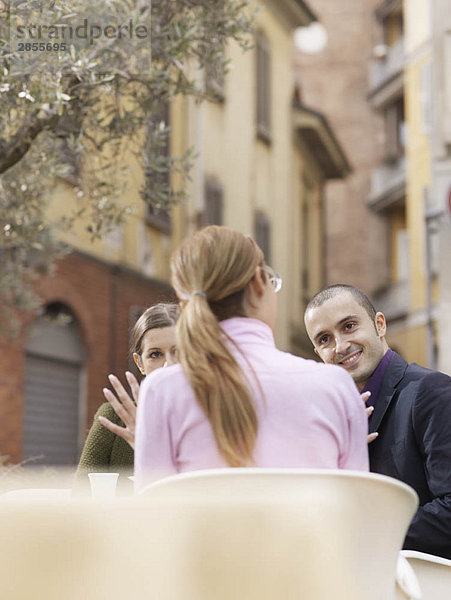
(388, 182)
(383, 70)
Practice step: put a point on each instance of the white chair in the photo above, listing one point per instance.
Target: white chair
(433, 573)
(294, 533)
(237, 534)
(407, 585)
(57, 550)
(37, 494)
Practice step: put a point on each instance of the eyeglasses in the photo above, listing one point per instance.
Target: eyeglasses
(274, 278)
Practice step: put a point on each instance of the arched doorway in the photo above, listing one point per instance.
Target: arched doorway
(52, 394)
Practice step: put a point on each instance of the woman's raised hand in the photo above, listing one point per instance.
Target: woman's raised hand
(123, 406)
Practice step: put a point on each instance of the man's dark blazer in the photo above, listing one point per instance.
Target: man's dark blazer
(413, 417)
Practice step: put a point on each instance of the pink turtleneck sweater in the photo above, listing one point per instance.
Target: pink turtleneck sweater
(311, 414)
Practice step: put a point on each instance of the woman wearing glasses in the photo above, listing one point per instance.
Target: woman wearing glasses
(234, 400)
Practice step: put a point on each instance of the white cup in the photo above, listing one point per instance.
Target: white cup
(103, 485)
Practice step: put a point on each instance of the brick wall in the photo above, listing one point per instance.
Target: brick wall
(335, 81)
(100, 296)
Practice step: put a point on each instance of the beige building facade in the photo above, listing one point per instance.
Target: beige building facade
(263, 162)
(263, 159)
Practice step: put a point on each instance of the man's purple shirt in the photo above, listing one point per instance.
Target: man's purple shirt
(374, 383)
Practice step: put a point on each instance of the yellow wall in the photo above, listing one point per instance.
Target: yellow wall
(398, 224)
(306, 172)
(418, 154)
(410, 343)
(132, 244)
(418, 181)
(254, 175)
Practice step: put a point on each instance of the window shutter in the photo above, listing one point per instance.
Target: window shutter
(263, 234)
(214, 203)
(426, 97)
(156, 216)
(263, 88)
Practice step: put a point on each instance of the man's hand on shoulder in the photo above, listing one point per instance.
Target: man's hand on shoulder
(369, 411)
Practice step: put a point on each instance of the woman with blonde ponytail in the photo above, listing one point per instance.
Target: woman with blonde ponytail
(234, 399)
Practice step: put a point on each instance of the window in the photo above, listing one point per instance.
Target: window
(213, 55)
(213, 211)
(309, 241)
(399, 245)
(214, 203)
(426, 87)
(390, 16)
(394, 131)
(68, 131)
(157, 172)
(402, 255)
(262, 228)
(263, 88)
(393, 28)
(215, 77)
(159, 218)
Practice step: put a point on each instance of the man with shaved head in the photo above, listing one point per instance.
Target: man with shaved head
(410, 407)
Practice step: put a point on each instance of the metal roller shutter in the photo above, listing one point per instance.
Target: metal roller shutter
(53, 404)
(52, 390)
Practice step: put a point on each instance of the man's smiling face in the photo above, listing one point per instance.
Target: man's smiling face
(343, 334)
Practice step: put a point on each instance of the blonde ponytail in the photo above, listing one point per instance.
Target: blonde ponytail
(210, 273)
